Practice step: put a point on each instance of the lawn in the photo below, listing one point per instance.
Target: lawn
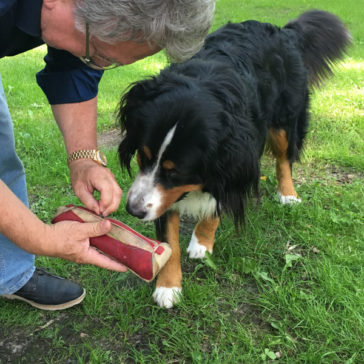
(289, 288)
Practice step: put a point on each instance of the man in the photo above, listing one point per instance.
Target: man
(84, 38)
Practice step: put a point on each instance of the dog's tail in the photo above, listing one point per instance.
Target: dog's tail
(324, 40)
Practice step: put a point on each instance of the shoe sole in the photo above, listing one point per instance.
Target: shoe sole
(41, 306)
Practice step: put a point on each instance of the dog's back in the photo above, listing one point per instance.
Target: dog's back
(278, 66)
(317, 37)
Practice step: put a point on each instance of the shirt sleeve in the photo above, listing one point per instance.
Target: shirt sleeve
(66, 79)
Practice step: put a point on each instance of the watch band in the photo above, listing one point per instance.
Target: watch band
(93, 154)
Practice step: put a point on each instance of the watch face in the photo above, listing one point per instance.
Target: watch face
(101, 157)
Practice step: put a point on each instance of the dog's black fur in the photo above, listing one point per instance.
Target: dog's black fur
(248, 78)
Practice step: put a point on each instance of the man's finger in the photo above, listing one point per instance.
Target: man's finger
(106, 210)
(93, 229)
(106, 199)
(89, 201)
(109, 202)
(102, 261)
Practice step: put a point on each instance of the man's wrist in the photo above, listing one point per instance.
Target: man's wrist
(95, 155)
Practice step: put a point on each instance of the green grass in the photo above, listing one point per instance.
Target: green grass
(291, 283)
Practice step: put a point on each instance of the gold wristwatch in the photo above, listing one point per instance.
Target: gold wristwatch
(94, 154)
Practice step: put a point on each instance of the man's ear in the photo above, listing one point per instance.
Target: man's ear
(49, 4)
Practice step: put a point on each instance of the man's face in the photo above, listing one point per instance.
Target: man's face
(122, 52)
(59, 31)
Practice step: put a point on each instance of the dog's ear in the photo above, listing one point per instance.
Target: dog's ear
(126, 151)
(234, 170)
(135, 95)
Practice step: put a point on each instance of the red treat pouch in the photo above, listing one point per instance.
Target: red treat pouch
(143, 256)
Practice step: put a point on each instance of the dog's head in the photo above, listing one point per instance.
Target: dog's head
(185, 140)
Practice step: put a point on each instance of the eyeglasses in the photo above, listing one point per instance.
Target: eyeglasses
(90, 62)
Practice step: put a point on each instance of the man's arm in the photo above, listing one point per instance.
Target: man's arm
(77, 122)
(67, 240)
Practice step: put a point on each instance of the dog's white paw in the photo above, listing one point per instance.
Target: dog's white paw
(288, 200)
(195, 249)
(167, 297)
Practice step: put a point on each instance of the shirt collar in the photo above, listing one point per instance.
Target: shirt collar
(28, 16)
(5, 6)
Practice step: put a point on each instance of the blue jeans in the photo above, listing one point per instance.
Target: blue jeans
(16, 265)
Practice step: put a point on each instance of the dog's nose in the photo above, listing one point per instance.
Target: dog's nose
(136, 211)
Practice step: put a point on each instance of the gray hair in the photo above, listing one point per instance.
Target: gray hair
(178, 26)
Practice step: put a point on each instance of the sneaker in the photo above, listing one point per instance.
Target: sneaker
(49, 292)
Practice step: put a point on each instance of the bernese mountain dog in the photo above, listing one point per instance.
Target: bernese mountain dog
(200, 127)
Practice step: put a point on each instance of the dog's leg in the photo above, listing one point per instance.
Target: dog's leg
(169, 282)
(203, 238)
(279, 145)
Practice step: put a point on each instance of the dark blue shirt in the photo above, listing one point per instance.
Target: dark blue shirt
(65, 79)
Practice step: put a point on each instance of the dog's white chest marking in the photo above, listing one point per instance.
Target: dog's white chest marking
(196, 204)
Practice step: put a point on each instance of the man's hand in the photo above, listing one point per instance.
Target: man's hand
(87, 176)
(70, 240)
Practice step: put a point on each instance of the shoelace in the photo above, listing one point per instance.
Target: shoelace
(43, 272)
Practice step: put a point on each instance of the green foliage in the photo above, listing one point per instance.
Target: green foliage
(288, 288)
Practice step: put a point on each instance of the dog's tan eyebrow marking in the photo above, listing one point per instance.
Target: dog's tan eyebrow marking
(147, 152)
(138, 159)
(168, 164)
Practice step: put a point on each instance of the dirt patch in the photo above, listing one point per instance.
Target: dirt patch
(22, 344)
(109, 139)
(307, 172)
(344, 177)
(328, 173)
(50, 341)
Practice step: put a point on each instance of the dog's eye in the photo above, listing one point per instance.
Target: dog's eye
(170, 169)
(171, 172)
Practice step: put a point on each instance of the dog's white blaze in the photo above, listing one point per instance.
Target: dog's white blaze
(196, 250)
(197, 204)
(143, 190)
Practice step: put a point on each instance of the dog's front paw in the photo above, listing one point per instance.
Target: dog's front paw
(288, 200)
(166, 297)
(196, 250)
